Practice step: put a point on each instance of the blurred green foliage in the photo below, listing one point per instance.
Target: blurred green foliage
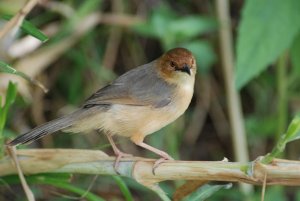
(58, 180)
(267, 71)
(206, 191)
(173, 30)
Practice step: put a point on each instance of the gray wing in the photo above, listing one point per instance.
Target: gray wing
(140, 86)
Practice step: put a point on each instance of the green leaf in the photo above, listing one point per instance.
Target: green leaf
(9, 100)
(30, 29)
(293, 132)
(123, 187)
(205, 191)
(10, 94)
(6, 68)
(267, 29)
(294, 54)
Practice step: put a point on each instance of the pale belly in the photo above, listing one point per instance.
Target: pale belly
(127, 120)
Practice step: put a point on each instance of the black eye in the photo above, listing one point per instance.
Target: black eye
(172, 64)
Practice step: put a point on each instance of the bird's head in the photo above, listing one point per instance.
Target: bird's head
(177, 65)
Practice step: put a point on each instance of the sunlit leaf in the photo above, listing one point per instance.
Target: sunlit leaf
(293, 132)
(267, 29)
(11, 93)
(6, 68)
(30, 29)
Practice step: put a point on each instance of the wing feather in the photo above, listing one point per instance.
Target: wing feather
(141, 86)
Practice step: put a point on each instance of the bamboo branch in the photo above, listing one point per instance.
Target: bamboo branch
(33, 161)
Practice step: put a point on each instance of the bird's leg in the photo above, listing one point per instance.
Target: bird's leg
(119, 154)
(138, 140)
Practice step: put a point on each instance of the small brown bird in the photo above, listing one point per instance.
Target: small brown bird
(136, 104)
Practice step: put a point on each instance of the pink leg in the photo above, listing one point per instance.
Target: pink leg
(138, 140)
(155, 150)
(164, 155)
(119, 154)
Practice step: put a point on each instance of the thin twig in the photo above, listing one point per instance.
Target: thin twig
(114, 38)
(89, 187)
(78, 197)
(233, 99)
(264, 188)
(120, 19)
(28, 192)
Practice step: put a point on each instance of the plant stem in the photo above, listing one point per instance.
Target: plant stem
(282, 94)
(233, 100)
(277, 150)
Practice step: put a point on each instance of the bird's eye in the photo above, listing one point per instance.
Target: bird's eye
(172, 64)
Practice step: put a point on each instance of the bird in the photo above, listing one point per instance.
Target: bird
(136, 104)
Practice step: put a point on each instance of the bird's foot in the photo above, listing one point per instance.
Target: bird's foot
(119, 156)
(166, 157)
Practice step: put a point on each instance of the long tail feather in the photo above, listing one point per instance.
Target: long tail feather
(48, 128)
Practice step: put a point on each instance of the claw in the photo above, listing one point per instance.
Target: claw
(119, 156)
(164, 156)
(160, 161)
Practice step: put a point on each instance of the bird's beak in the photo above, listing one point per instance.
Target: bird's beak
(186, 69)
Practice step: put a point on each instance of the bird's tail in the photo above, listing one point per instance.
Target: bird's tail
(49, 127)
